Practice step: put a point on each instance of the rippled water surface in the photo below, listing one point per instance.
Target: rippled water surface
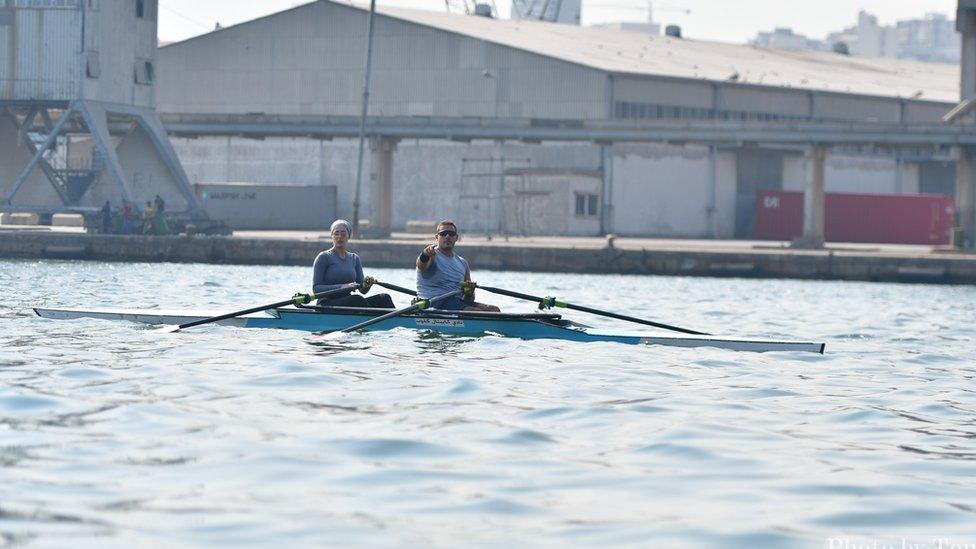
(114, 434)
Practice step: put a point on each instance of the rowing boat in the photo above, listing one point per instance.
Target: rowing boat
(467, 323)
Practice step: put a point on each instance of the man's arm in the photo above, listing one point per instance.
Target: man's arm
(425, 258)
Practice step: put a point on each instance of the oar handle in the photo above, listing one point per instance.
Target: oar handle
(510, 293)
(396, 288)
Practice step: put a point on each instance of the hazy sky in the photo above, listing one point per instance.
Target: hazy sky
(721, 20)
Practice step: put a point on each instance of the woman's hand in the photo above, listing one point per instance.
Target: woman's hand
(366, 285)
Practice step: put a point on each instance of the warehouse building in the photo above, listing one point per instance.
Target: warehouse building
(498, 123)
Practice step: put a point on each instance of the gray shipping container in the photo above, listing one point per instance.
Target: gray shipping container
(269, 207)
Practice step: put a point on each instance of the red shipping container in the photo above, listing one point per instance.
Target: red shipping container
(877, 218)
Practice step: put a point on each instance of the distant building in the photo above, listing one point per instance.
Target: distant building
(648, 27)
(932, 38)
(632, 26)
(784, 38)
(553, 11)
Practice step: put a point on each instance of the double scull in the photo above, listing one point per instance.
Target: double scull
(540, 325)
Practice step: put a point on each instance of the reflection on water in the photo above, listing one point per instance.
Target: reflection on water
(117, 435)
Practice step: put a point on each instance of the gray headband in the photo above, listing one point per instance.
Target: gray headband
(343, 224)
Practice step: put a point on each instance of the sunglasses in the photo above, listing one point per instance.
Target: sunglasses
(447, 233)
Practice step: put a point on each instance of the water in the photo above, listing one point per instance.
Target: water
(113, 434)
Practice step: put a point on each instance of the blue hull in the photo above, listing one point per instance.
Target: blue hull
(525, 327)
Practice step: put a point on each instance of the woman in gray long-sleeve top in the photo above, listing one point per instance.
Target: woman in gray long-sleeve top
(337, 268)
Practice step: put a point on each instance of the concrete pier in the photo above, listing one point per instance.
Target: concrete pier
(864, 262)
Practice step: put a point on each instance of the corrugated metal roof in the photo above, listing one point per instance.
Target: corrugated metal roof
(640, 54)
(637, 53)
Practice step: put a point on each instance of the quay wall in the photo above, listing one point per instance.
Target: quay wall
(945, 268)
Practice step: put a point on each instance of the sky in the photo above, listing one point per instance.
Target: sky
(735, 21)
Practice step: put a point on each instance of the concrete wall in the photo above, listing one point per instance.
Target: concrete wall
(910, 179)
(556, 257)
(794, 172)
(723, 216)
(668, 190)
(119, 40)
(428, 175)
(849, 173)
(656, 189)
(145, 173)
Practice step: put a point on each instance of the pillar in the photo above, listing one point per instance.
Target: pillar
(813, 199)
(381, 185)
(965, 195)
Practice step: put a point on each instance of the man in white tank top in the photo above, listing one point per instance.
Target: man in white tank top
(440, 271)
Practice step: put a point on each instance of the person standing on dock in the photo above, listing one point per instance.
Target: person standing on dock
(127, 217)
(107, 217)
(336, 268)
(440, 270)
(158, 221)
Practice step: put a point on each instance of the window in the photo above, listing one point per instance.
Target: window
(641, 111)
(93, 69)
(140, 8)
(144, 72)
(587, 205)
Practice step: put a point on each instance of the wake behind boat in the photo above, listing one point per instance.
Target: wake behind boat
(540, 325)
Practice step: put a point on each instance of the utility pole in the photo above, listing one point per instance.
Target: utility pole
(362, 119)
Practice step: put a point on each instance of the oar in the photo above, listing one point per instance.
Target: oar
(547, 302)
(418, 306)
(395, 288)
(297, 299)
